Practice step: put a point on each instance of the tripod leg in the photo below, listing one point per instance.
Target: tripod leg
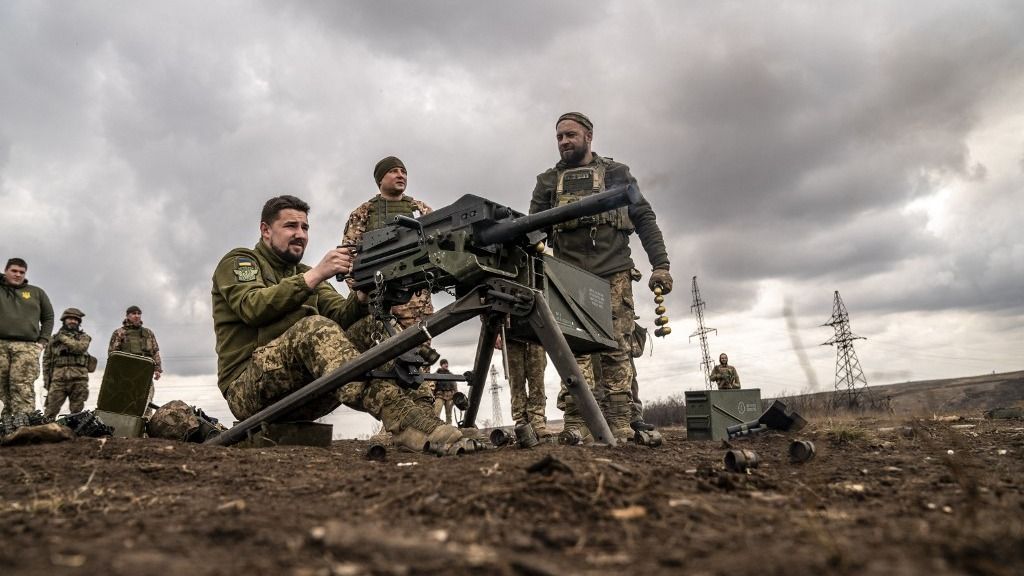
(545, 327)
(484, 353)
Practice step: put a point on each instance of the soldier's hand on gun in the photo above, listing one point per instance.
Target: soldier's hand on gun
(156, 375)
(497, 343)
(337, 261)
(660, 278)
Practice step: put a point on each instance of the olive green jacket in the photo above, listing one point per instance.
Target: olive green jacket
(26, 314)
(603, 250)
(257, 296)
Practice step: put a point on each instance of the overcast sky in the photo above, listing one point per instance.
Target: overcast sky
(789, 149)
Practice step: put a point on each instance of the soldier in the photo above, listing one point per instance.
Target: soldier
(600, 244)
(526, 364)
(724, 375)
(133, 338)
(66, 364)
(379, 211)
(280, 325)
(392, 178)
(444, 394)
(26, 320)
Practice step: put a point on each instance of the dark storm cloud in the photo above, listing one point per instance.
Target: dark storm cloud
(778, 144)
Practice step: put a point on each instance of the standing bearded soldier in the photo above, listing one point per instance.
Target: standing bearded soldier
(600, 245)
(66, 362)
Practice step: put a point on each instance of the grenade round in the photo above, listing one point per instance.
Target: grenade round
(661, 320)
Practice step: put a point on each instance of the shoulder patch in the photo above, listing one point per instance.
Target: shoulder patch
(246, 269)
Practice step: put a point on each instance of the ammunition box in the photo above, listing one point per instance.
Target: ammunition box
(710, 412)
(127, 380)
(301, 433)
(124, 426)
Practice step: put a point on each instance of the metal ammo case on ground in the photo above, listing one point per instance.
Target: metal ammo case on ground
(485, 254)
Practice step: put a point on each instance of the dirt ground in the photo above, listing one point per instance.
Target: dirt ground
(881, 497)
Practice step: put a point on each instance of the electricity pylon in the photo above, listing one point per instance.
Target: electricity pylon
(850, 380)
(702, 332)
(495, 405)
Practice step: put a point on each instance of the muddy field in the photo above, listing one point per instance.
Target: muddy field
(881, 497)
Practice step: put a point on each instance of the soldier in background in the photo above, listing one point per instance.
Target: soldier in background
(724, 375)
(66, 365)
(444, 394)
(133, 338)
(26, 320)
(280, 325)
(526, 364)
(600, 245)
(391, 200)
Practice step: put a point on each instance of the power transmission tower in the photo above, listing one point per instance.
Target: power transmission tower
(850, 380)
(495, 405)
(702, 332)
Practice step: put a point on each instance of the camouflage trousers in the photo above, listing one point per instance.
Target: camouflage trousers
(526, 364)
(71, 384)
(312, 347)
(19, 368)
(444, 400)
(615, 388)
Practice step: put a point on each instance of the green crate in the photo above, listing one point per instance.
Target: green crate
(126, 385)
(710, 412)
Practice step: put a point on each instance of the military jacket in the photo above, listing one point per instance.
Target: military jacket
(726, 377)
(600, 244)
(257, 296)
(25, 313)
(377, 212)
(137, 340)
(67, 354)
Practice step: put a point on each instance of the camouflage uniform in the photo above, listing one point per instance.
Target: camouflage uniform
(600, 245)
(275, 335)
(26, 321)
(140, 341)
(66, 376)
(137, 340)
(444, 396)
(526, 363)
(377, 213)
(726, 377)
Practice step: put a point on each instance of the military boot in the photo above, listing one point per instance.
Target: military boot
(575, 430)
(420, 431)
(618, 411)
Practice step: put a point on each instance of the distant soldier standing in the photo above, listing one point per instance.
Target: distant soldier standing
(724, 375)
(66, 365)
(600, 245)
(26, 320)
(133, 338)
(444, 394)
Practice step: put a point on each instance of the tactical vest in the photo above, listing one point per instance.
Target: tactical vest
(135, 342)
(574, 184)
(63, 357)
(382, 211)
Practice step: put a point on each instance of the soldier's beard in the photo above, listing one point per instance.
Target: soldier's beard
(574, 155)
(288, 256)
